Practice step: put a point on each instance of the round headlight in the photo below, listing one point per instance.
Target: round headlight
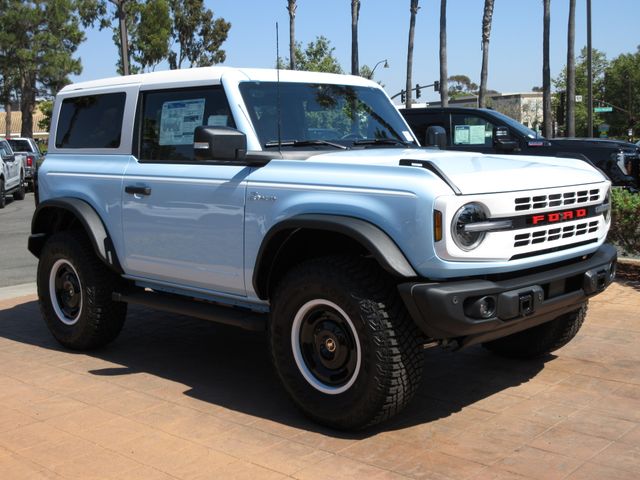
(469, 213)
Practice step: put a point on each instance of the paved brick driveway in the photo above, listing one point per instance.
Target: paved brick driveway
(181, 398)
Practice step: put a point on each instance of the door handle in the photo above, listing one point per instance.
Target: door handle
(137, 190)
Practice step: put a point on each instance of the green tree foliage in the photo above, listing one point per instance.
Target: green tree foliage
(46, 107)
(196, 35)
(37, 42)
(621, 88)
(625, 229)
(461, 85)
(599, 66)
(318, 56)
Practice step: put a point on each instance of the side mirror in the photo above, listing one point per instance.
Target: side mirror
(503, 141)
(219, 143)
(436, 137)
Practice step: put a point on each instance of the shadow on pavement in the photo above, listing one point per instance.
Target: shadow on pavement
(231, 368)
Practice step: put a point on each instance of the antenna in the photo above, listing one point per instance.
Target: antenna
(278, 90)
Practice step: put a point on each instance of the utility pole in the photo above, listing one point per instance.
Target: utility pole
(589, 75)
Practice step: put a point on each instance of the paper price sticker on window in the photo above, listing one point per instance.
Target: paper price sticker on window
(179, 120)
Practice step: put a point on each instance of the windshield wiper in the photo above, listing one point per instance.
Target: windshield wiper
(304, 143)
(380, 141)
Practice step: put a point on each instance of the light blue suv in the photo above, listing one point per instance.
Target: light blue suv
(302, 204)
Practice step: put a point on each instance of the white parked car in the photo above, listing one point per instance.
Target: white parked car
(12, 174)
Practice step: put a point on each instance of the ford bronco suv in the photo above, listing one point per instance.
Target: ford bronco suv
(12, 174)
(302, 204)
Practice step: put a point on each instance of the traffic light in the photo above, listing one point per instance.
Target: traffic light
(436, 86)
(402, 97)
(418, 92)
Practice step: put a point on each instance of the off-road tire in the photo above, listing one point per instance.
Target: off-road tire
(20, 193)
(391, 345)
(3, 194)
(542, 339)
(99, 319)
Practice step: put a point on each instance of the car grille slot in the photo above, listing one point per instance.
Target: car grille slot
(556, 200)
(555, 233)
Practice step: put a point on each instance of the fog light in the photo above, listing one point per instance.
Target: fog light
(483, 307)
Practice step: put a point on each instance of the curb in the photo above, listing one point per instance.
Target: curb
(14, 291)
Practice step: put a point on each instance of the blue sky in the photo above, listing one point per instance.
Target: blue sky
(516, 40)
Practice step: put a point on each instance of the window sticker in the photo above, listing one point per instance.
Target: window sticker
(179, 120)
(469, 135)
(217, 120)
(476, 134)
(461, 135)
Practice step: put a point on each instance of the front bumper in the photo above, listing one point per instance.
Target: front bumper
(446, 310)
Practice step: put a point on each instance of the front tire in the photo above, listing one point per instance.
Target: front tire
(343, 344)
(74, 288)
(542, 339)
(20, 193)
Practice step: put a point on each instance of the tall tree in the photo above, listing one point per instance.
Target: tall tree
(291, 8)
(571, 71)
(37, 42)
(355, 15)
(412, 27)
(444, 87)
(151, 33)
(197, 36)
(487, 18)
(547, 129)
(123, 35)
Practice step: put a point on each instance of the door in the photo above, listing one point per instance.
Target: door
(471, 133)
(12, 166)
(183, 220)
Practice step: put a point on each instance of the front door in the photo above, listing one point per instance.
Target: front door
(471, 133)
(183, 220)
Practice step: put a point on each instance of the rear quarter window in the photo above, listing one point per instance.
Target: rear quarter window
(91, 121)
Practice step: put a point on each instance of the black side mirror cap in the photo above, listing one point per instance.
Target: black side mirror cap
(219, 143)
(436, 136)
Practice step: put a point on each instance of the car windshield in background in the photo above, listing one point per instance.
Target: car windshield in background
(324, 116)
(19, 145)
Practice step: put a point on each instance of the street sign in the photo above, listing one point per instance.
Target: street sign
(578, 98)
(602, 109)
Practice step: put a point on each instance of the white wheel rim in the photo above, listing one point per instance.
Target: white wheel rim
(297, 351)
(53, 293)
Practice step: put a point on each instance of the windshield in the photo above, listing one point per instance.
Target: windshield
(321, 115)
(517, 126)
(20, 145)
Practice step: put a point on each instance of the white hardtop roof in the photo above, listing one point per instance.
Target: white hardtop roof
(214, 74)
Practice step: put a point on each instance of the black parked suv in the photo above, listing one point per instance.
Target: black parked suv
(488, 131)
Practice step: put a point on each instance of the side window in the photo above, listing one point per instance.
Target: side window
(4, 150)
(170, 117)
(92, 121)
(471, 130)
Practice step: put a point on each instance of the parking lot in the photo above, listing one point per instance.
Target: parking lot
(180, 398)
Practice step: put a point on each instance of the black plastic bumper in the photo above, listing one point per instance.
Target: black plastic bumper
(449, 310)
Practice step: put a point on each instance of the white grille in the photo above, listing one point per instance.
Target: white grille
(556, 200)
(555, 233)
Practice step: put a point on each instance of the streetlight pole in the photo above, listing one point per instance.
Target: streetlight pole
(386, 65)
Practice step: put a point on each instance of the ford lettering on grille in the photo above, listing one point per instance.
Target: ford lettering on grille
(556, 217)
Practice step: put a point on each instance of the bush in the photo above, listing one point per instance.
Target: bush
(625, 224)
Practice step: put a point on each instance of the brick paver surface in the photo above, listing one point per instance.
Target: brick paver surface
(180, 398)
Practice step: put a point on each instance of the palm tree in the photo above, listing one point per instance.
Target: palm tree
(444, 86)
(355, 14)
(487, 17)
(412, 27)
(291, 7)
(571, 71)
(546, 72)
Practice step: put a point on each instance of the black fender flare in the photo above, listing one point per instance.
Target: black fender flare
(41, 228)
(372, 238)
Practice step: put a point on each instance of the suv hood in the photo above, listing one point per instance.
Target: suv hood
(473, 173)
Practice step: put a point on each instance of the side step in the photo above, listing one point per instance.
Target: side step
(244, 319)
